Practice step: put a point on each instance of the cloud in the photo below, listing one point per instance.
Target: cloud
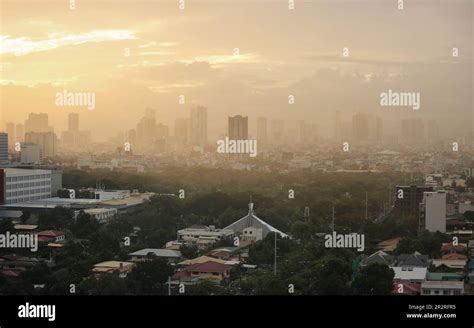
(22, 46)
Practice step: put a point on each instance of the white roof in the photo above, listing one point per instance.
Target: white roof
(20, 172)
(410, 273)
(443, 284)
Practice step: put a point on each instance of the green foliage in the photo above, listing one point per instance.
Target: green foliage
(149, 277)
(374, 279)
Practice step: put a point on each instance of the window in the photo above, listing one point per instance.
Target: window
(426, 292)
(456, 292)
(446, 292)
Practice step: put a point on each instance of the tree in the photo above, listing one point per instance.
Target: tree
(84, 226)
(469, 215)
(149, 277)
(374, 279)
(332, 274)
(407, 246)
(56, 219)
(189, 252)
(5, 226)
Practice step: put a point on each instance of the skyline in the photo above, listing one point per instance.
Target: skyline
(264, 54)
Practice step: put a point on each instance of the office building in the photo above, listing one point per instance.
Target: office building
(3, 148)
(412, 129)
(73, 122)
(433, 211)
(146, 131)
(198, 125)
(10, 129)
(37, 123)
(46, 140)
(238, 127)
(408, 198)
(182, 130)
(30, 153)
(22, 185)
(360, 127)
(20, 133)
(262, 131)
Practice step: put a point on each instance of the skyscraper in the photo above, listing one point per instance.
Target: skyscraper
(10, 129)
(198, 129)
(146, 131)
(37, 123)
(360, 126)
(413, 129)
(3, 148)
(238, 127)
(338, 128)
(277, 129)
(73, 122)
(181, 130)
(262, 131)
(20, 133)
(150, 113)
(46, 140)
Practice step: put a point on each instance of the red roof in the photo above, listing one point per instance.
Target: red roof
(208, 266)
(448, 247)
(454, 256)
(408, 288)
(50, 233)
(390, 242)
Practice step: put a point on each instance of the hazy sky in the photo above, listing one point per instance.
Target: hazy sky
(46, 47)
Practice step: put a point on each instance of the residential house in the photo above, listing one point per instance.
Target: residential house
(115, 267)
(148, 254)
(442, 288)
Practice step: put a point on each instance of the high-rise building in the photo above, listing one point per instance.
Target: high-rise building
(73, 122)
(408, 198)
(182, 130)
(3, 148)
(146, 131)
(37, 123)
(150, 113)
(413, 129)
(262, 131)
(277, 129)
(162, 131)
(34, 185)
(198, 125)
(338, 128)
(20, 133)
(433, 211)
(10, 129)
(30, 153)
(360, 126)
(238, 127)
(46, 140)
(131, 137)
(307, 133)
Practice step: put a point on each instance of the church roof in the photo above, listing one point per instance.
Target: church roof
(251, 220)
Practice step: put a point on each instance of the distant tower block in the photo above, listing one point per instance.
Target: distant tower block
(306, 211)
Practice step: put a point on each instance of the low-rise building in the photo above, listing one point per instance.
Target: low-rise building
(203, 236)
(148, 254)
(113, 267)
(442, 288)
